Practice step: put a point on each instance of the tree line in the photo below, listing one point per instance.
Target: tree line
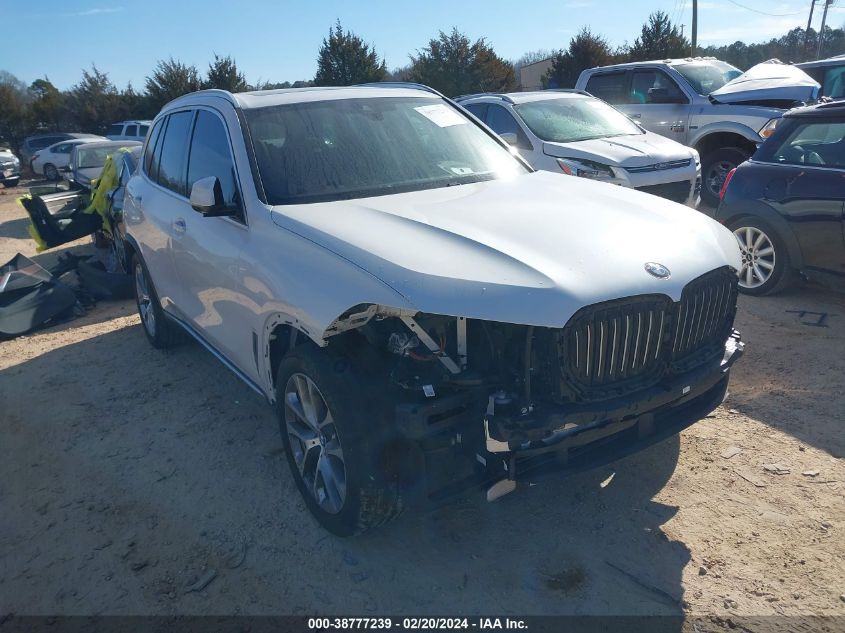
(450, 63)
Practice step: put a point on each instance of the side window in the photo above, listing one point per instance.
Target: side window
(174, 150)
(815, 143)
(655, 86)
(501, 122)
(131, 130)
(210, 156)
(142, 131)
(115, 130)
(478, 109)
(64, 148)
(610, 87)
(150, 162)
(833, 85)
(125, 171)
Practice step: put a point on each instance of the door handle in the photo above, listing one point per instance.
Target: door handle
(179, 225)
(636, 116)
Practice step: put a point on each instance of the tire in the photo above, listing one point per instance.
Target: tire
(11, 182)
(338, 449)
(161, 332)
(714, 169)
(118, 247)
(766, 268)
(50, 172)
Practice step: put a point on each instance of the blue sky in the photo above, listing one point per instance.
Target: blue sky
(278, 40)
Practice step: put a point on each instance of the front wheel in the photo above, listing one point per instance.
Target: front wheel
(335, 443)
(50, 172)
(765, 261)
(11, 182)
(715, 167)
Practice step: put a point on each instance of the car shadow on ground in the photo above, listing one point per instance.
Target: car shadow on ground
(148, 468)
(790, 376)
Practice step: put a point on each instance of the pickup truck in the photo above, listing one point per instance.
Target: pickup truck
(426, 313)
(704, 103)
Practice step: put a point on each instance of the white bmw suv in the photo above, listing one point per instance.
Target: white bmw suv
(426, 311)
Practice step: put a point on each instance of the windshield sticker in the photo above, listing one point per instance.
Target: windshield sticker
(441, 115)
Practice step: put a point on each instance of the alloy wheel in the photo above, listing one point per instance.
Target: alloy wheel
(315, 443)
(145, 302)
(758, 256)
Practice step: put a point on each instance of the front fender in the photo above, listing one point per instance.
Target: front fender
(725, 127)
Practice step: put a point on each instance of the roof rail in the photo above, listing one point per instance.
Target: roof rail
(573, 90)
(495, 95)
(401, 84)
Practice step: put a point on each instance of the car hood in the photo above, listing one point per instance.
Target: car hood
(769, 81)
(634, 150)
(530, 250)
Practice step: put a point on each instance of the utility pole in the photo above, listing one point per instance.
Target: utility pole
(694, 26)
(827, 3)
(809, 26)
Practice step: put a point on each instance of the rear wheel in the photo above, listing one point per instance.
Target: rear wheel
(765, 262)
(161, 332)
(50, 172)
(715, 167)
(336, 445)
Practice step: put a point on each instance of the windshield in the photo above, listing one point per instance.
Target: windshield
(567, 120)
(705, 77)
(354, 148)
(90, 157)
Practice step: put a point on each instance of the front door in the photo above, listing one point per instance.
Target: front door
(809, 190)
(657, 102)
(206, 251)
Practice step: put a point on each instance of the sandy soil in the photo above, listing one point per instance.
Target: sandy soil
(126, 474)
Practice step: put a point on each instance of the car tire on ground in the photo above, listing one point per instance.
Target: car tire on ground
(714, 169)
(11, 182)
(161, 332)
(766, 268)
(50, 172)
(337, 448)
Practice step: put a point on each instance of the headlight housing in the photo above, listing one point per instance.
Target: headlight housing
(767, 130)
(585, 169)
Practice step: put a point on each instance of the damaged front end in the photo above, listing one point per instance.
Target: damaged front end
(494, 404)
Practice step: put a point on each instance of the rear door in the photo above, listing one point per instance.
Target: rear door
(206, 250)
(156, 198)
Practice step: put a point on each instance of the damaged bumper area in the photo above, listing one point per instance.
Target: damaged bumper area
(585, 438)
(521, 445)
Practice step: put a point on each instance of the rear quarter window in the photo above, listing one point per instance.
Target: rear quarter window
(115, 130)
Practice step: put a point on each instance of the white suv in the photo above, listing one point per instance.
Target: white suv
(426, 311)
(571, 132)
(128, 131)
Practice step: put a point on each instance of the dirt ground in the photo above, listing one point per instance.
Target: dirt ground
(127, 474)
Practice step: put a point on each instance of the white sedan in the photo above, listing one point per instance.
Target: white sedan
(572, 132)
(50, 161)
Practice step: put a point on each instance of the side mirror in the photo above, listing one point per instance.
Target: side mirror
(510, 138)
(207, 198)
